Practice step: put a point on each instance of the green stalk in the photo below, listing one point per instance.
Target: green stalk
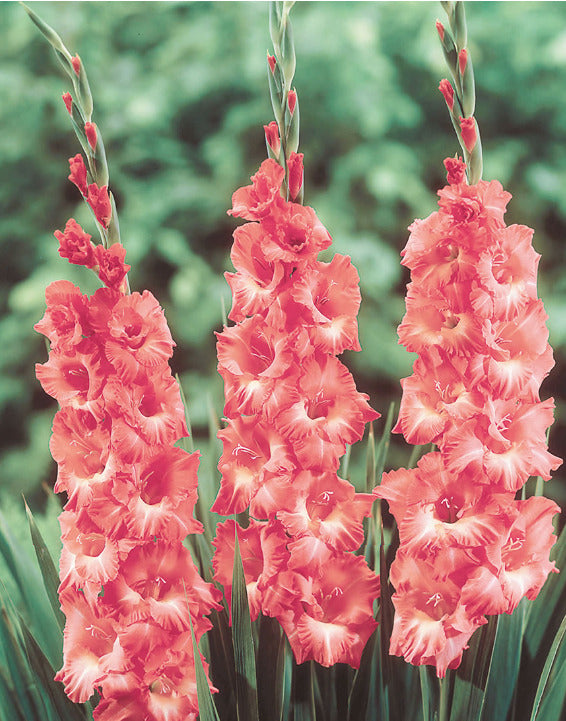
(453, 42)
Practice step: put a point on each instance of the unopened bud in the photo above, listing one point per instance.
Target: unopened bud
(292, 100)
(448, 91)
(440, 29)
(68, 100)
(468, 130)
(91, 135)
(295, 166)
(76, 63)
(272, 62)
(462, 60)
(272, 137)
(455, 170)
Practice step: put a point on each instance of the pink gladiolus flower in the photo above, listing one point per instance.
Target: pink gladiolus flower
(473, 316)
(291, 408)
(128, 587)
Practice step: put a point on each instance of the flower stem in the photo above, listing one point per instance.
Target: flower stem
(459, 62)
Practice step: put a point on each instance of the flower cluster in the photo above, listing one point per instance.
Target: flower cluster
(129, 588)
(291, 408)
(468, 548)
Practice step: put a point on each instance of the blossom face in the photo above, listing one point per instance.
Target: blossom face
(255, 201)
(75, 244)
(334, 619)
(65, 321)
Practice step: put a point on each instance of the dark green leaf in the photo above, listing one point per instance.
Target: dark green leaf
(550, 697)
(244, 652)
(47, 568)
(270, 669)
(470, 679)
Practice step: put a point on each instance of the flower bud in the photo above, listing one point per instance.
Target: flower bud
(272, 62)
(76, 63)
(292, 100)
(440, 29)
(91, 135)
(78, 173)
(68, 100)
(295, 165)
(448, 91)
(272, 137)
(468, 130)
(455, 170)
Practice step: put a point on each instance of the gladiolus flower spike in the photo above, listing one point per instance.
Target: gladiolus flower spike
(291, 408)
(468, 548)
(128, 587)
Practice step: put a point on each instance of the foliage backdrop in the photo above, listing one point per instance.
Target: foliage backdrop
(180, 93)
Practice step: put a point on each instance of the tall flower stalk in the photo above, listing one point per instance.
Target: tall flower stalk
(468, 547)
(129, 588)
(291, 405)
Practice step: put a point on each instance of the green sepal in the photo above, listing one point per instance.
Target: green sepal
(100, 164)
(474, 160)
(288, 52)
(468, 89)
(275, 14)
(244, 652)
(113, 230)
(276, 94)
(84, 94)
(47, 568)
(292, 123)
(458, 24)
(50, 34)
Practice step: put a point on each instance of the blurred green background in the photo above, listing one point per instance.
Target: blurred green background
(180, 92)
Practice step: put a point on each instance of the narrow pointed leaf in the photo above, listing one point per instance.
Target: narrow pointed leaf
(47, 568)
(551, 691)
(302, 693)
(270, 669)
(359, 693)
(244, 652)
(65, 709)
(207, 710)
(505, 664)
(471, 678)
(543, 614)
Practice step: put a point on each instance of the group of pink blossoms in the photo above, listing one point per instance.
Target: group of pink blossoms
(129, 588)
(467, 547)
(291, 408)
